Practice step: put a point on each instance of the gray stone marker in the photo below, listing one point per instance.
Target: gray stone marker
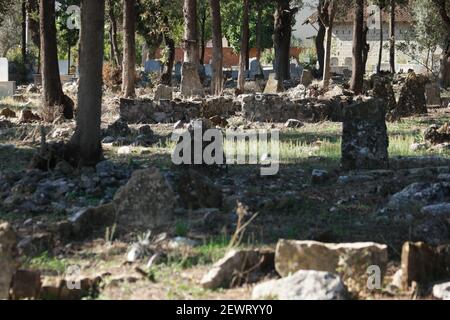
(273, 85)
(153, 66)
(256, 70)
(307, 78)
(295, 70)
(208, 70)
(178, 67)
(7, 88)
(364, 139)
(190, 81)
(163, 93)
(433, 94)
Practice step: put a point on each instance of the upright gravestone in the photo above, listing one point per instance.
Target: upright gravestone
(273, 86)
(178, 67)
(256, 71)
(433, 95)
(190, 80)
(208, 70)
(364, 138)
(153, 66)
(307, 78)
(7, 87)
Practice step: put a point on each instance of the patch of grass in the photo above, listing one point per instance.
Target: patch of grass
(45, 262)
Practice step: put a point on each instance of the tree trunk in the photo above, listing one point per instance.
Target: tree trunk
(327, 59)
(444, 72)
(366, 48)
(166, 77)
(217, 57)
(24, 31)
(380, 53)
(356, 83)
(203, 36)
(85, 143)
(190, 32)
(392, 37)
(282, 39)
(244, 46)
(113, 34)
(53, 95)
(129, 48)
(320, 49)
(69, 45)
(258, 32)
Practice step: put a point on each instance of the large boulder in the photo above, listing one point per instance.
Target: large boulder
(146, 201)
(412, 99)
(303, 285)
(346, 259)
(8, 264)
(364, 139)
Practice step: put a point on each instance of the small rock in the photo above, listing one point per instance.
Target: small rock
(442, 291)
(124, 151)
(182, 242)
(303, 285)
(319, 176)
(441, 209)
(135, 253)
(27, 115)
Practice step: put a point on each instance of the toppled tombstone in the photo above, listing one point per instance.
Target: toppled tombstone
(364, 139)
(237, 267)
(303, 285)
(437, 135)
(163, 92)
(346, 259)
(424, 264)
(7, 113)
(190, 80)
(146, 201)
(7, 262)
(442, 291)
(412, 99)
(293, 123)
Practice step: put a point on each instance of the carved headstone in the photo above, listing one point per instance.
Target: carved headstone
(190, 81)
(433, 95)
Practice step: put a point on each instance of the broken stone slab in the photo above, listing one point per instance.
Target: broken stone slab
(293, 123)
(147, 201)
(424, 264)
(26, 284)
(442, 291)
(235, 267)
(343, 258)
(319, 176)
(273, 86)
(364, 138)
(8, 264)
(303, 285)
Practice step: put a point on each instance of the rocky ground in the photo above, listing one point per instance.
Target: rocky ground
(218, 232)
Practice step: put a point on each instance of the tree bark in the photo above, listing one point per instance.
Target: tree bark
(203, 35)
(356, 83)
(282, 39)
(217, 57)
(258, 32)
(392, 36)
(366, 48)
(444, 72)
(166, 77)
(85, 144)
(129, 48)
(244, 45)
(320, 49)
(380, 53)
(327, 15)
(24, 31)
(53, 95)
(191, 54)
(115, 52)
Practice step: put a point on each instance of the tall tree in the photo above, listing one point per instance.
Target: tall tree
(356, 82)
(243, 58)
(53, 95)
(190, 32)
(112, 17)
(217, 57)
(443, 7)
(129, 48)
(382, 6)
(85, 144)
(392, 16)
(327, 15)
(24, 31)
(282, 39)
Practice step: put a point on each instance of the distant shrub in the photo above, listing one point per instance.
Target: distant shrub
(112, 76)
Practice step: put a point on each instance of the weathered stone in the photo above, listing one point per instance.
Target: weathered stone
(219, 106)
(8, 264)
(118, 129)
(190, 80)
(412, 97)
(26, 115)
(163, 92)
(7, 113)
(442, 291)
(232, 269)
(424, 264)
(26, 285)
(91, 220)
(382, 89)
(293, 123)
(437, 135)
(303, 285)
(440, 209)
(146, 201)
(56, 288)
(307, 78)
(273, 86)
(433, 94)
(344, 258)
(364, 139)
(319, 176)
(198, 191)
(35, 244)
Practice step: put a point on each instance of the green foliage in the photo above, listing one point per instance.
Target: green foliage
(308, 57)
(268, 56)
